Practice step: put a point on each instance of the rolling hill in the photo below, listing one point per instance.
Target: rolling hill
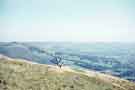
(16, 74)
(116, 59)
(24, 51)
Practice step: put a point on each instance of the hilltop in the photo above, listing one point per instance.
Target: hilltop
(25, 75)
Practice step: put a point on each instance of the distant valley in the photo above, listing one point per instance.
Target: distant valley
(111, 58)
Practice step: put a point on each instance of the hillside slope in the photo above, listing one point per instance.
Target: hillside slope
(24, 75)
(113, 58)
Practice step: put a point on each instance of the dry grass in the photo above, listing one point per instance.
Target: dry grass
(22, 75)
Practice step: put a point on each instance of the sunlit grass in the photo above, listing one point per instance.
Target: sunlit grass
(25, 76)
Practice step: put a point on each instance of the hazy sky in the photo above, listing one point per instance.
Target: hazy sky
(67, 20)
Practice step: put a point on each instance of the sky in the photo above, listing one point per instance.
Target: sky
(67, 20)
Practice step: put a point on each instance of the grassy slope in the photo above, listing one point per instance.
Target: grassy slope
(19, 75)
